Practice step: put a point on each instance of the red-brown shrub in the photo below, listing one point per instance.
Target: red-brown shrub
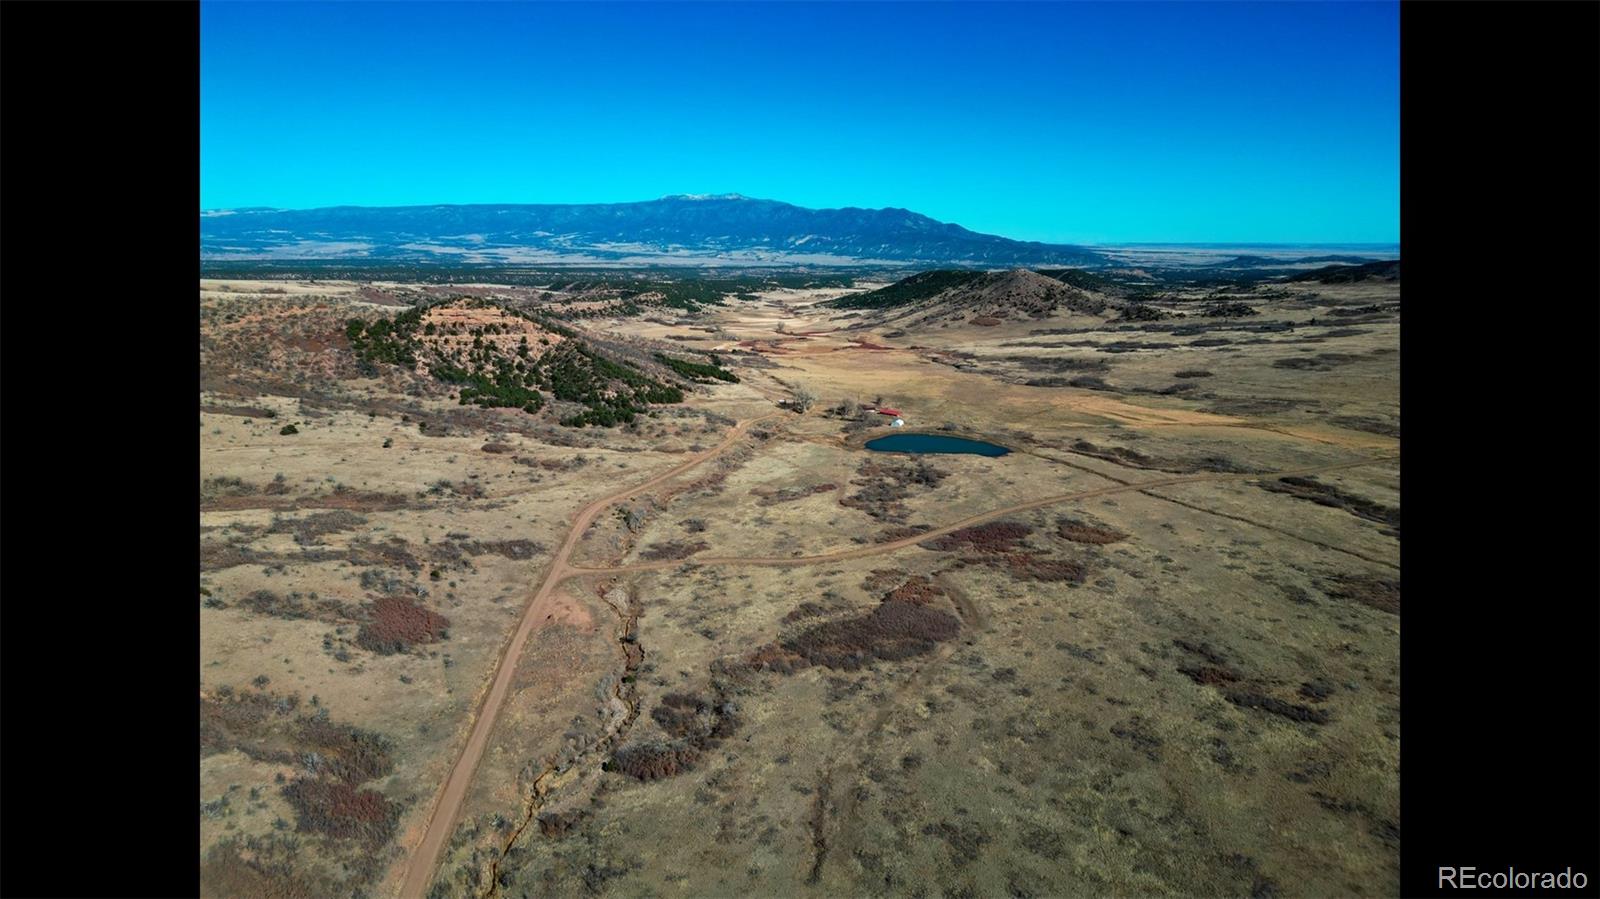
(992, 537)
(917, 590)
(1029, 567)
(804, 610)
(242, 721)
(395, 625)
(881, 579)
(1377, 593)
(1210, 675)
(672, 550)
(343, 751)
(342, 811)
(559, 824)
(651, 761)
(1083, 532)
(889, 535)
(892, 631)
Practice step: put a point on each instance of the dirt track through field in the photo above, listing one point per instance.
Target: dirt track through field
(424, 859)
(893, 546)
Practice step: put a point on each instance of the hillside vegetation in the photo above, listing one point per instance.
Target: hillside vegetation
(942, 297)
(918, 287)
(508, 358)
(1386, 270)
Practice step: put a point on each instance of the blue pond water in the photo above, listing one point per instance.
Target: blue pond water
(933, 443)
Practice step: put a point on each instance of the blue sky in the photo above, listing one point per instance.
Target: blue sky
(1269, 122)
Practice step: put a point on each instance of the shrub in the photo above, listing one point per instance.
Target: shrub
(685, 717)
(884, 484)
(260, 866)
(991, 537)
(308, 530)
(1377, 593)
(1082, 532)
(654, 760)
(1229, 310)
(342, 811)
(1251, 699)
(559, 824)
(343, 751)
(1322, 494)
(395, 625)
(803, 611)
(672, 549)
(917, 590)
(696, 372)
(1029, 567)
(288, 429)
(892, 631)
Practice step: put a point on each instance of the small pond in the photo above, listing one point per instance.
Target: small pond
(933, 443)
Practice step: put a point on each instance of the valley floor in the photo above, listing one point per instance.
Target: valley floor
(727, 651)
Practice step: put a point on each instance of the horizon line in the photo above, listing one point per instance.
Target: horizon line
(216, 211)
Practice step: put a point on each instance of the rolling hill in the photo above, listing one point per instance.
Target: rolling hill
(982, 298)
(496, 356)
(1386, 270)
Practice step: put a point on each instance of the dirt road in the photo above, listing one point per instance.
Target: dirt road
(878, 548)
(424, 858)
(447, 806)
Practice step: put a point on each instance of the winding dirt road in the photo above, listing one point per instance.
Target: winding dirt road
(424, 859)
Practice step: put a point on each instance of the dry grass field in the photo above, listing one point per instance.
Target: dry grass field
(1153, 650)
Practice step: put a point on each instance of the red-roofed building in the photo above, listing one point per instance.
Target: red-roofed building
(887, 411)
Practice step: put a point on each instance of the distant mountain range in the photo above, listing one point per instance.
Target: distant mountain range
(1274, 262)
(726, 229)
